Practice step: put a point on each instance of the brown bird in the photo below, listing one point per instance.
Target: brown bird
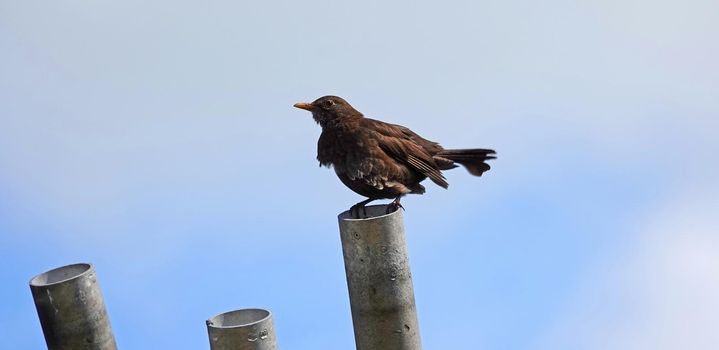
(379, 160)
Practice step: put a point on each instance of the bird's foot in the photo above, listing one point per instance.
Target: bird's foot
(394, 206)
(355, 211)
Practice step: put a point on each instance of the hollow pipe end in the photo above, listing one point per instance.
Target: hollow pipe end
(61, 274)
(374, 212)
(238, 318)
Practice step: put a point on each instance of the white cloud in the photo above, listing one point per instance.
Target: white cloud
(659, 293)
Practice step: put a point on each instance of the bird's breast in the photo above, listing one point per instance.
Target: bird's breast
(345, 150)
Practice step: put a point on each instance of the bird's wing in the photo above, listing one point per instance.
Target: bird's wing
(430, 146)
(404, 145)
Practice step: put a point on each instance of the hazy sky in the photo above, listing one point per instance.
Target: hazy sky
(158, 142)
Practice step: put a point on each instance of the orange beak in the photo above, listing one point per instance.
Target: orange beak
(304, 105)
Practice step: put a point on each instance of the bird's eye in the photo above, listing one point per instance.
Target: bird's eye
(329, 103)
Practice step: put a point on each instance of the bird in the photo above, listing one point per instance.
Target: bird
(379, 160)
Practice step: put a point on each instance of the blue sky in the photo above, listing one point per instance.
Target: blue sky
(158, 141)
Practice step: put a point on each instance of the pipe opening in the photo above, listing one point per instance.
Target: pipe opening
(373, 212)
(60, 274)
(238, 318)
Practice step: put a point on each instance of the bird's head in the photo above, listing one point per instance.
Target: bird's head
(328, 108)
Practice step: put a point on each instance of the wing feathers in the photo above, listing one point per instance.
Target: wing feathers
(430, 171)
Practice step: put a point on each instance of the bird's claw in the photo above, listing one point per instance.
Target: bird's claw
(393, 207)
(355, 211)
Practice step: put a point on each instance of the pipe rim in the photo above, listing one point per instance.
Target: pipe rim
(378, 210)
(218, 321)
(42, 279)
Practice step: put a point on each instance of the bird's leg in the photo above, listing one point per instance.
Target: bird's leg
(356, 208)
(394, 205)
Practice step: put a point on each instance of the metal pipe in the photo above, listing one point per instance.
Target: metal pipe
(379, 280)
(71, 309)
(246, 329)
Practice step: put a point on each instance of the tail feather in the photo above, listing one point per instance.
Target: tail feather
(472, 159)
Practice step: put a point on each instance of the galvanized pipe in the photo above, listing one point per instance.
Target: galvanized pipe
(246, 329)
(71, 309)
(379, 280)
